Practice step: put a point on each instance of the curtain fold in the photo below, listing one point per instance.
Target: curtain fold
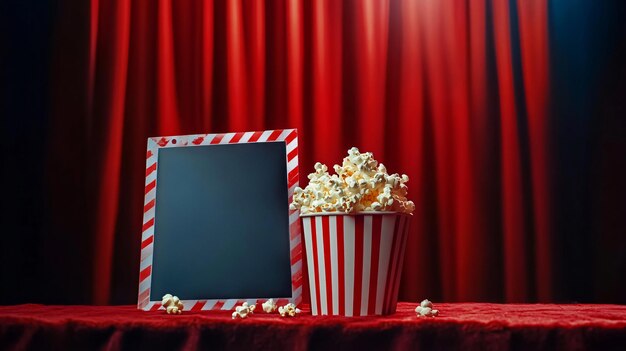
(452, 93)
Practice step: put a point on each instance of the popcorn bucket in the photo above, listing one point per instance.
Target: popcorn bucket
(355, 261)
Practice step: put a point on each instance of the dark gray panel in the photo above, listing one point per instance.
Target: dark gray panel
(222, 222)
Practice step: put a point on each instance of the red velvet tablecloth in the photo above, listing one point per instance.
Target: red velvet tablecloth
(467, 326)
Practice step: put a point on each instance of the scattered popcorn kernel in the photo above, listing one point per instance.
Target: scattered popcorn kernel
(172, 304)
(289, 310)
(425, 309)
(269, 306)
(243, 311)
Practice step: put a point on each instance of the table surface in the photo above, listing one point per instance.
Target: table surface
(590, 325)
(558, 315)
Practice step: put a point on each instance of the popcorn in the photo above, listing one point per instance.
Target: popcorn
(172, 304)
(289, 310)
(360, 184)
(425, 309)
(243, 311)
(269, 306)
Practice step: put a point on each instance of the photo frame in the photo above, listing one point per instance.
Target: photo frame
(210, 234)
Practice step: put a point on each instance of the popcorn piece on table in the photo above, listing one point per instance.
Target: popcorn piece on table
(243, 311)
(269, 306)
(172, 304)
(289, 310)
(359, 184)
(425, 309)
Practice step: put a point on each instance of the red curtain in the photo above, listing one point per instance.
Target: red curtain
(452, 93)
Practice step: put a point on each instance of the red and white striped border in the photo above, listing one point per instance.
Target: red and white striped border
(290, 138)
(355, 262)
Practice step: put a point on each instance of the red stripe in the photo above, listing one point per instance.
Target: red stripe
(151, 169)
(217, 139)
(218, 305)
(293, 174)
(148, 154)
(392, 265)
(315, 264)
(296, 280)
(376, 224)
(148, 206)
(405, 235)
(145, 273)
(236, 138)
(293, 153)
(327, 268)
(198, 140)
(292, 182)
(150, 186)
(147, 242)
(291, 136)
(147, 225)
(294, 229)
(144, 295)
(358, 264)
(198, 306)
(275, 134)
(341, 267)
(398, 270)
(255, 137)
(296, 254)
(155, 307)
(163, 141)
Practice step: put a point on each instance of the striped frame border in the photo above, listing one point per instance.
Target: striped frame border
(290, 138)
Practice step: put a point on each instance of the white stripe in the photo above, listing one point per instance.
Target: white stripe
(150, 195)
(334, 263)
(148, 233)
(291, 165)
(151, 177)
(266, 134)
(367, 263)
(145, 263)
(348, 242)
(291, 190)
(284, 134)
(309, 256)
(208, 139)
(146, 253)
(294, 217)
(296, 267)
(386, 241)
(292, 145)
(188, 304)
(294, 242)
(209, 305)
(145, 284)
(320, 264)
(150, 213)
(246, 136)
(229, 304)
(227, 138)
(297, 295)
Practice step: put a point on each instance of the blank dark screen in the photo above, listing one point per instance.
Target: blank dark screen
(222, 222)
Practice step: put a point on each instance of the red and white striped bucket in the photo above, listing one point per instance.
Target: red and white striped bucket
(355, 261)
